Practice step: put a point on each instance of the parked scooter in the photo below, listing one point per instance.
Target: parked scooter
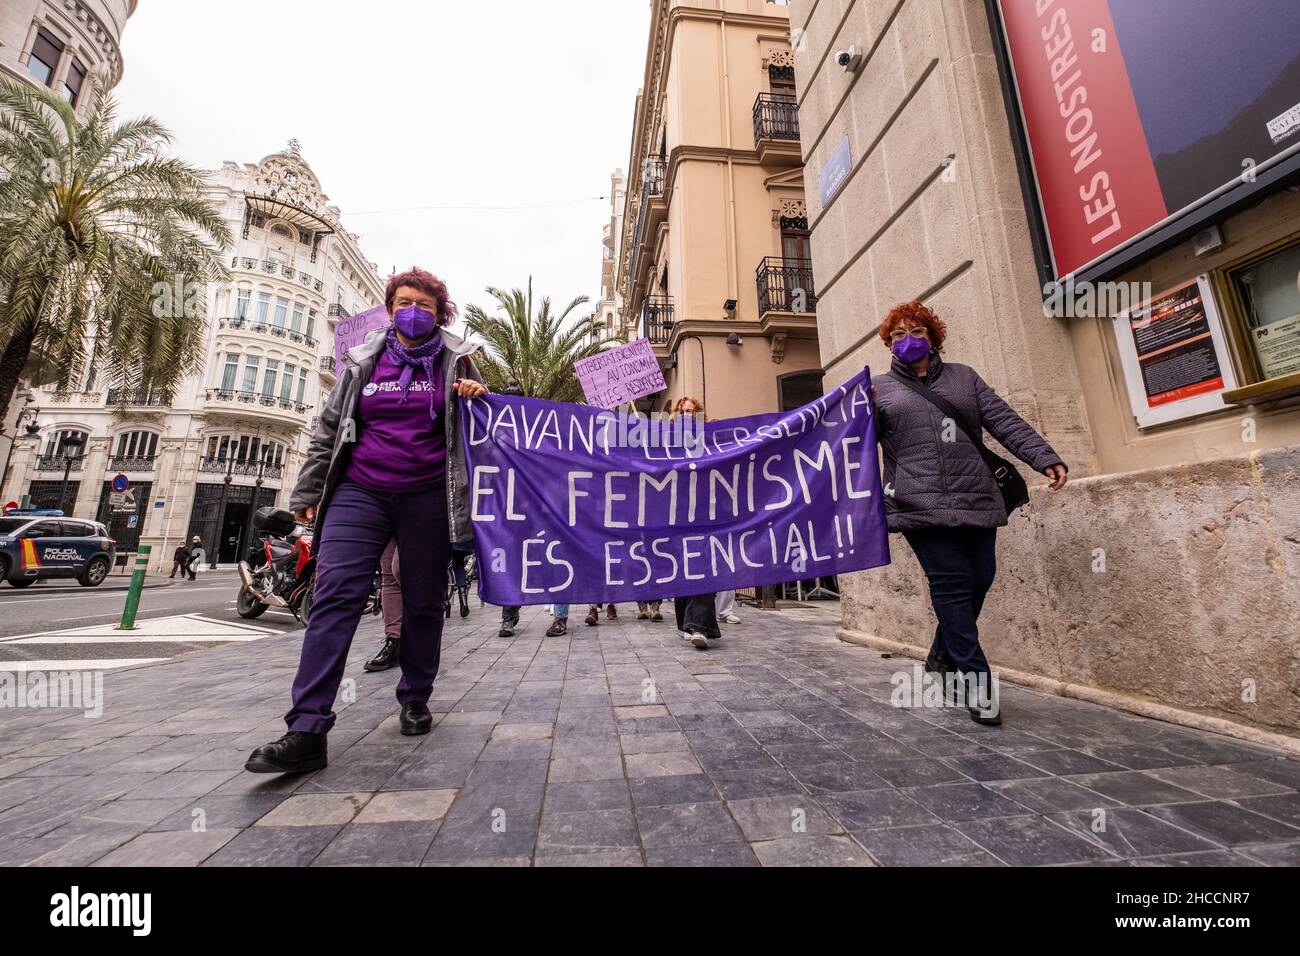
(281, 566)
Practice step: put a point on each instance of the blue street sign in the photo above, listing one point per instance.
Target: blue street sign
(836, 171)
(119, 483)
(132, 521)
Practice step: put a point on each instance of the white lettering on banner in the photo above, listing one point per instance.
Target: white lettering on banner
(1097, 199)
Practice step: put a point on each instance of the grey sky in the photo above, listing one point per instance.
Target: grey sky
(401, 104)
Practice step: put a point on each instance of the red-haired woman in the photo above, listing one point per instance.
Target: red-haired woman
(939, 492)
(385, 462)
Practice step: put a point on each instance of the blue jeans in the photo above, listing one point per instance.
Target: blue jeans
(358, 525)
(960, 564)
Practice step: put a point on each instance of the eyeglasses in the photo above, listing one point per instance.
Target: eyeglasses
(920, 332)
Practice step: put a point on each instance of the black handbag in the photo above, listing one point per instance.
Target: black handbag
(1014, 490)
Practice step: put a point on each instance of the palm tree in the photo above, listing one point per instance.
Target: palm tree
(100, 235)
(535, 351)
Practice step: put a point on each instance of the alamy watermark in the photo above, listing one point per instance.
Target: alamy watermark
(1088, 300)
(921, 689)
(74, 690)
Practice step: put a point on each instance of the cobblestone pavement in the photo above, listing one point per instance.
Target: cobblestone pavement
(778, 747)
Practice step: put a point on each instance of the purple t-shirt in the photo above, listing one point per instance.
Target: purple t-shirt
(400, 446)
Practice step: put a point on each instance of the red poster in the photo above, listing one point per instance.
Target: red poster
(1096, 180)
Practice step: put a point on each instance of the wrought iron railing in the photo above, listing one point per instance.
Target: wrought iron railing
(776, 116)
(132, 462)
(657, 318)
(59, 462)
(785, 285)
(327, 363)
(141, 397)
(652, 177)
(336, 310)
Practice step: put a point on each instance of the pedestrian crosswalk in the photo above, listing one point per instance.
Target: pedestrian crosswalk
(180, 629)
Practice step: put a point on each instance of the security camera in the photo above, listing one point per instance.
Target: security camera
(849, 59)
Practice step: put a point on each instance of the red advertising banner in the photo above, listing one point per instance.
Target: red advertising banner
(1096, 181)
(1138, 113)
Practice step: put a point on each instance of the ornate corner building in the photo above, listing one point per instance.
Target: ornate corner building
(231, 438)
(63, 44)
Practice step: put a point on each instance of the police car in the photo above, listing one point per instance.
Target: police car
(43, 543)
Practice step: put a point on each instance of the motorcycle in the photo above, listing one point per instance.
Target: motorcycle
(281, 566)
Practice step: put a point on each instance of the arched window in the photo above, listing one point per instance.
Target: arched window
(137, 444)
(54, 443)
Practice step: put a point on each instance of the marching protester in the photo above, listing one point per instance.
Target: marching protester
(387, 461)
(649, 611)
(390, 607)
(939, 489)
(726, 607)
(510, 613)
(697, 617)
(560, 621)
(181, 561)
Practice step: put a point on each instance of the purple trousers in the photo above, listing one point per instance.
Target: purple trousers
(358, 525)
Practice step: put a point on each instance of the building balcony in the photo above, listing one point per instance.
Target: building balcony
(255, 404)
(60, 462)
(245, 324)
(240, 467)
(272, 267)
(657, 319)
(62, 397)
(652, 211)
(787, 296)
(776, 130)
(326, 365)
(336, 311)
(139, 397)
(132, 463)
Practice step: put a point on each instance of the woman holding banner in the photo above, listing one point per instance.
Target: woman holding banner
(697, 616)
(939, 489)
(385, 462)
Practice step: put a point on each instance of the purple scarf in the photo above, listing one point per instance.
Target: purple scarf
(425, 356)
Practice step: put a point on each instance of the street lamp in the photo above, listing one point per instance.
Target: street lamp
(257, 493)
(221, 511)
(26, 419)
(70, 443)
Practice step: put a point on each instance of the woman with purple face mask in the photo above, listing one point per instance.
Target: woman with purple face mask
(386, 462)
(939, 490)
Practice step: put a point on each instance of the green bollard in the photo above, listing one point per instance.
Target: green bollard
(133, 593)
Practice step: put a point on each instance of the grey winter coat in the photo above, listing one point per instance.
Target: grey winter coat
(930, 482)
(330, 448)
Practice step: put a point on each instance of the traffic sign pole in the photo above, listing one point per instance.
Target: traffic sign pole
(133, 593)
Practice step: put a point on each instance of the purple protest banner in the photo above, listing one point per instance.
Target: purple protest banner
(586, 506)
(352, 330)
(620, 375)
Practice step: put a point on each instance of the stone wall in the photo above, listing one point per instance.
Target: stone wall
(1198, 599)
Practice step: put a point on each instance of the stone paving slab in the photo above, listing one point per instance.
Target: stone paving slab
(621, 745)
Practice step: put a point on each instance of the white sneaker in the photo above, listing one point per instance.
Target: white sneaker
(731, 619)
(695, 640)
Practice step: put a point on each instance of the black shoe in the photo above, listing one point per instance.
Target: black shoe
(507, 628)
(937, 665)
(387, 656)
(463, 595)
(415, 719)
(295, 752)
(986, 718)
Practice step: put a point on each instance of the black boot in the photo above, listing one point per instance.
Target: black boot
(386, 657)
(295, 752)
(415, 719)
(462, 594)
(508, 624)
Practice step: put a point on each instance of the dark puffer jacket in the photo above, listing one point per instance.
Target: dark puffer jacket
(932, 483)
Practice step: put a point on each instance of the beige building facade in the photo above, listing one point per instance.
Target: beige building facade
(232, 437)
(714, 265)
(1164, 578)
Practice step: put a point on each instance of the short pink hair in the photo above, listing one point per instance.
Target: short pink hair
(426, 282)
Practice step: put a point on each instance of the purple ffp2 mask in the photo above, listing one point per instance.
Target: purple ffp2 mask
(414, 322)
(911, 349)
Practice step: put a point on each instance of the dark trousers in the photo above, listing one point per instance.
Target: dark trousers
(358, 526)
(697, 614)
(960, 564)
